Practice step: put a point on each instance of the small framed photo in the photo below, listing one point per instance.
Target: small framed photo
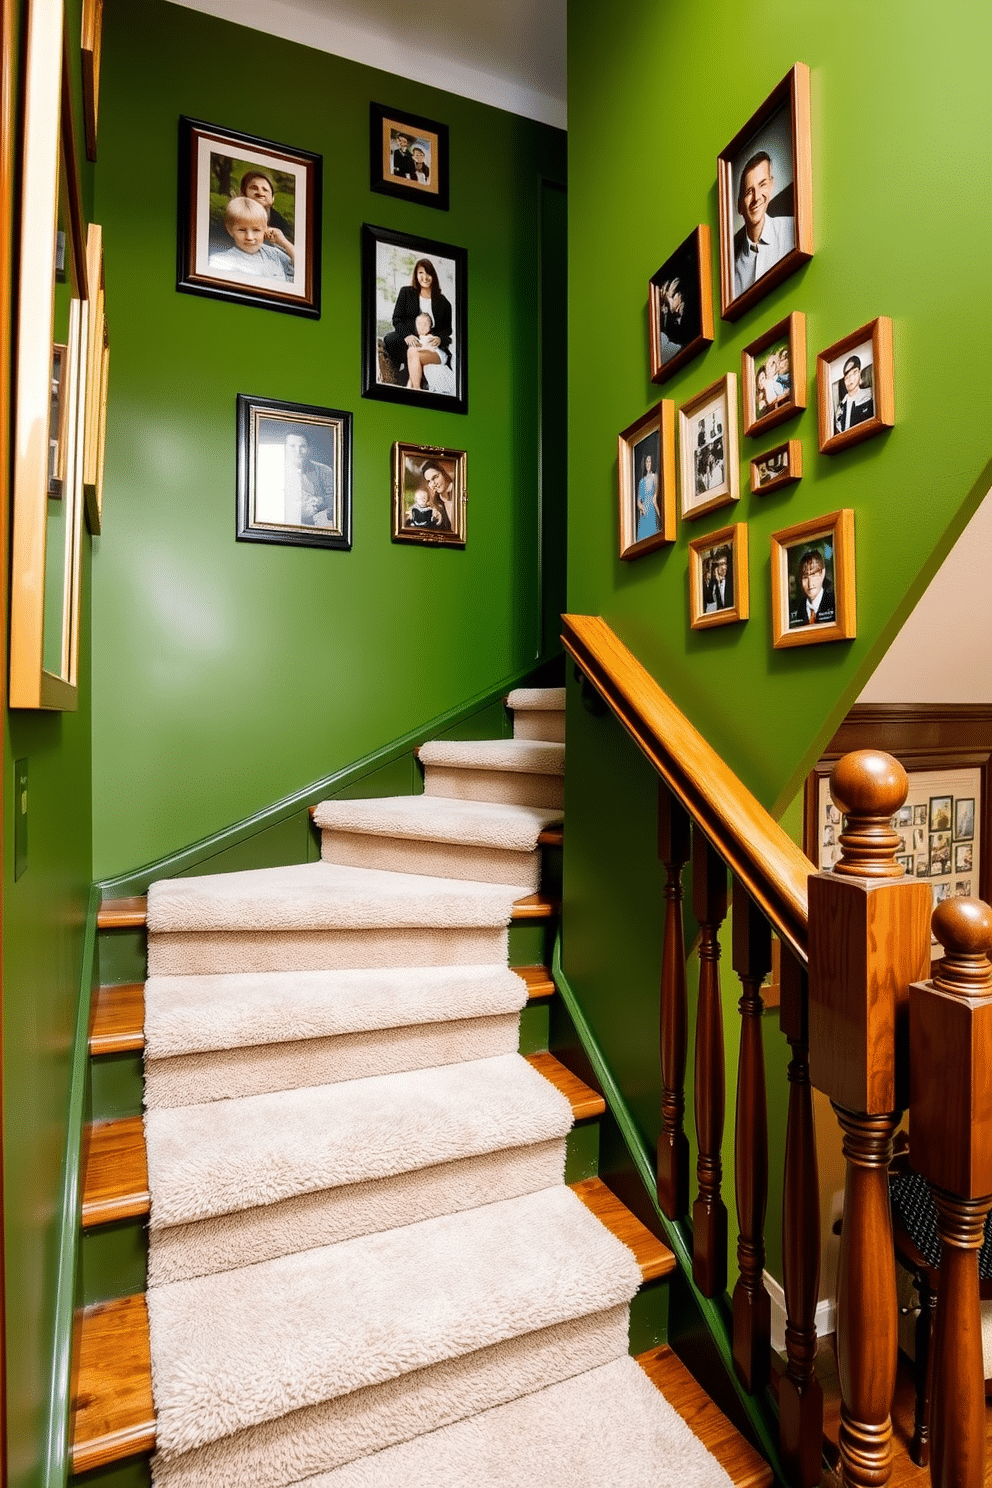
(813, 581)
(91, 47)
(680, 309)
(854, 387)
(430, 494)
(765, 186)
(408, 156)
(940, 813)
(414, 305)
(294, 474)
(58, 420)
(964, 819)
(964, 857)
(777, 467)
(940, 853)
(646, 465)
(718, 582)
(773, 374)
(708, 448)
(249, 220)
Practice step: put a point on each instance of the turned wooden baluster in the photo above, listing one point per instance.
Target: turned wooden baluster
(673, 1144)
(951, 1127)
(869, 937)
(800, 1398)
(752, 1309)
(709, 1213)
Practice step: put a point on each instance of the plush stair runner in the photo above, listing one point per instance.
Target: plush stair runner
(364, 1265)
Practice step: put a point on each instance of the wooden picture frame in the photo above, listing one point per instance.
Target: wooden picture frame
(91, 49)
(419, 172)
(777, 139)
(851, 409)
(97, 357)
(795, 551)
(294, 481)
(778, 467)
(718, 578)
(680, 306)
(430, 495)
(773, 375)
(709, 453)
(646, 479)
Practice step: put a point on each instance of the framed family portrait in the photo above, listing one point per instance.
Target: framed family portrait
(414, 338)
(249, 220)
(718, 581)
(708, 448)
(680, 309)
(294, 474)
(765, 188)
(408, 156)
(854, 387)
(646, 467)
(430, 494)
(813, 596)
(781, 466)
(773, 375)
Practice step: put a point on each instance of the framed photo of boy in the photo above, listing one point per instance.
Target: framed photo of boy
(429, 495)
(773, 374)
(249, 220)
(708, 448)
(718, 582)
(680, 309)
(854, 387)
(646, 466)
(781, 466)
(294, 474)
(765, 188)
(408, 156)
(414, 337)
(813, 581)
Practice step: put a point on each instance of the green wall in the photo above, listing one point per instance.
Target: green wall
(229, 675)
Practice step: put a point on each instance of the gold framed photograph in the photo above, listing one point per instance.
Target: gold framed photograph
(773, 375)
(765, 189)
(430, 494)
(781, 466)
(646, 469)
(813, 596)
(855, 395)
(708, 448)
(96, 392)
(680, 306)
(718, 579)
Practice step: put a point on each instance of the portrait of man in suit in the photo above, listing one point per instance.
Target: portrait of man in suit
(853, 399)
(403, 161)
(719, 589)
(813, 602)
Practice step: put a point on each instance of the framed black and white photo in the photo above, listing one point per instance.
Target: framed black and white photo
(408, 156)
(430, 493)
(680, 309)
(646, 469)
(718, 578)
(854, 385)
(249, 220)
(778, 467)
(414, 338)
(708, 448)
(294, 474)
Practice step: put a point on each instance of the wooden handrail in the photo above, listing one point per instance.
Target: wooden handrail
(765, 859)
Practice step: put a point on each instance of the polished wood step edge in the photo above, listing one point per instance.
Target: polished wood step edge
(115, 1171)
(538, 979)
(113, 1415)
(651, 1254)
(705, 1419)
(585, 1101)
(117, 1019)
(131, 914)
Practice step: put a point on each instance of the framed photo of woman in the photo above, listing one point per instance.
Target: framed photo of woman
(414, 337)
(646, 465)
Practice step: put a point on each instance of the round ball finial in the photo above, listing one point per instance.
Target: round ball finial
(868, 787)
(964, 929)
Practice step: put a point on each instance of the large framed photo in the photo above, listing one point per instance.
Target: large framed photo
(854, 386)
(813, 581)
(646, 466)
(718, 578)
(408, 156)
(708, 448)
(249, 220)
(765, 184)
(294, 474)
(430, 494)
(773, 374)
(680, 310)
(414, 304)
(781, 466)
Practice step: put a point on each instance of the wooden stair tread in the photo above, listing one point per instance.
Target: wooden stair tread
(719, 1436)
(535, 907)
(538, 979)
(652, 1255)
(585, 1102)
(123, 914)
(552, 837)
(115, 1171)
(117, 1019)
(113, 1415)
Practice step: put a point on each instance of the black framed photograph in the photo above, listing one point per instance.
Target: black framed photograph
(718, 578)
(710, 475)
(646, 468)
(249, 220)
(964, 819)
(430, 494)
(778, 467)
(940, 814)
(408, 156)
(414, 337)
(855, 386)
(294, 474)
(680, 310)
(773, 374)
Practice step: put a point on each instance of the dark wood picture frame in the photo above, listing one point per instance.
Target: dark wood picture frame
(686, 274)
(880, 403)
(659, 421)
(453, 465)
(789, 333)
(432, 138)
(790, 458)
(709, 548)
(329, 430)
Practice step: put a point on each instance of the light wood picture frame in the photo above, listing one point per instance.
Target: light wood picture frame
(680, 306)
(718, 578)
(709, 452)
(95, 399)
(646, 481)
(91, 48)
(778, 467)
(851, 408)
(813, 570)
(773, 375)
(429, 495)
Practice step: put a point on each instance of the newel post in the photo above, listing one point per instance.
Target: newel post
(951, 1131)
(869, 937)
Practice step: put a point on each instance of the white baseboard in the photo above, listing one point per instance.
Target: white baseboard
(825, 1316)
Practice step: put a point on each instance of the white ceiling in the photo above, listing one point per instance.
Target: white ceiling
(508, 53)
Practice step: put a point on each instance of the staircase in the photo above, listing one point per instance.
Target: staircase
(378, 1250)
